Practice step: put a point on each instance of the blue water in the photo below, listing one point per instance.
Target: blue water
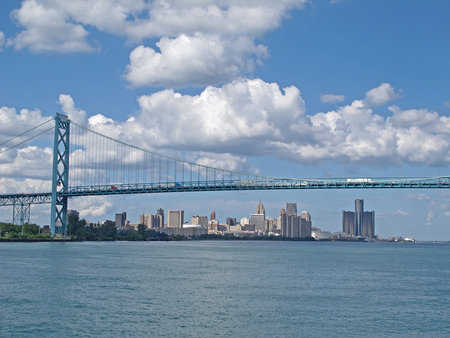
(224, 288)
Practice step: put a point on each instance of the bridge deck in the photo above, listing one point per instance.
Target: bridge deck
(233, 185)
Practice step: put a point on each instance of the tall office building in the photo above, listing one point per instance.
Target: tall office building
(213, 215)
(294, 226)
(121, 220)
(200, 220)
(151, 221)
(160, 213)
(348, 223)
(259, 222)
(359, 223)
(305, 224)
(359, 209)
(291, 209)
(282, 222)
(260, 210)
(175, 218)
(259, 218)
(231, 221)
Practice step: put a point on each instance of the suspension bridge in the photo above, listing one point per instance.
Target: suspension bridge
(102, 165)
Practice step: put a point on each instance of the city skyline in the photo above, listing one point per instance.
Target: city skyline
(302, 89)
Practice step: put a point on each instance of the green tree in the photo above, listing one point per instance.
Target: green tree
(142, 231)
(108, 230)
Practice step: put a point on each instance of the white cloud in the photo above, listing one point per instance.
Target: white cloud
(193, 60)
(68, 107)
(29, 185)
(381, 95)
(331, 98)
(222, 126)
(13, 123)
(252, 117)
(201, 42)
(54, 25)
(430, 216)
(31, 162)
(48, 29)
(2, 40)
(92, 206)
(224, 161)
(402, 213)
(447, 213)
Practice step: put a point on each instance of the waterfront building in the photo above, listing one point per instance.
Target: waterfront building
(260, 210)
(213, 225)
(359, 223)
(294, 226)
(151, 221)
(175, 218)
(321, 235)
(291, 209)
(282, 222)
(244, 221)
(121, 220)
(145, 219)
(258, 221)
(348, 223)
(213, 215)
(188, 231)
(160, 213)
(200, 220)
(231, 221)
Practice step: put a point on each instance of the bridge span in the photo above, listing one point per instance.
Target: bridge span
(101, 165)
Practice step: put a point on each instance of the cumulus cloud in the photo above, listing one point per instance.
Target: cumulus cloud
(31, 162)
(48, 29)
(68, 107)
(224, 161)
(381, 95)
(10, 185)
(200, 42)
(92, 206)
(52, 25)
(193, 60)
(223, 126)
(252, 117)
(331, 98)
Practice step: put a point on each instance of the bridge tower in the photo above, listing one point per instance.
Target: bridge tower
(60, 176)
(21, 213)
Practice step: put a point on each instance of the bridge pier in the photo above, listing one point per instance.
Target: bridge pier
(60, 177)
(21, 213)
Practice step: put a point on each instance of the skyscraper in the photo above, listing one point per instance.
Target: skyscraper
(260, 210)
(348, 223)
(291, 209)
(359, 223)
(175, 218)
(121, 220)
(294, 226)
(200, 220)
(160, 213)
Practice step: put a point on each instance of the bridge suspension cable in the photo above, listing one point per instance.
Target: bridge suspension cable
(28, 139)
(98, 159)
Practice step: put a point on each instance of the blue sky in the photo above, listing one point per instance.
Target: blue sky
(382, 64)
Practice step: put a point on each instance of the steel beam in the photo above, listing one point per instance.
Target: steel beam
(60, 177)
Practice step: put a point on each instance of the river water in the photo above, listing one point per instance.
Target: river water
(224, 288)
